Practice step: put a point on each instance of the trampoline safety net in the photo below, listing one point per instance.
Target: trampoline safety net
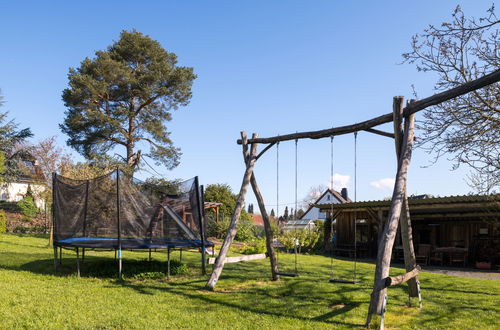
(119, 211)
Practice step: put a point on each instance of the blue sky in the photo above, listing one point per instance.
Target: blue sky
(270, 67)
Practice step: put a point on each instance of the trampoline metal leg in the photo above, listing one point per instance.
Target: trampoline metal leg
(115, 254)
(77, 262)
(168, 263)
(55, 259)
(120, 264)
(83, 254)
(149, 255)
(60, 255)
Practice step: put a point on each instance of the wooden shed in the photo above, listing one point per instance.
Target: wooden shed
(455, 230)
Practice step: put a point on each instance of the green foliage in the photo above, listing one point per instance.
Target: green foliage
(246, 231)
(3, 222)
(11, 150)
(305, 239)
(27, 206)
(123, 97)
(254, 246)
(222, 193)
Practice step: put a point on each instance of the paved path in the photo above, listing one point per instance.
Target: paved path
(464, 272)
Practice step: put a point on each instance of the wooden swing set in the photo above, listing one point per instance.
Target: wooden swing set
(403, 119)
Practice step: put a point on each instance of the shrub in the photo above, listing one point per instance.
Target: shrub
(27, 206)
(3, 222)
(246, 231)
(255, 246)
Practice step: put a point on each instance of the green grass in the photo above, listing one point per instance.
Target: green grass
(32, 296)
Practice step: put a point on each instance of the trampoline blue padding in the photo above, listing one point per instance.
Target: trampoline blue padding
(129, 243)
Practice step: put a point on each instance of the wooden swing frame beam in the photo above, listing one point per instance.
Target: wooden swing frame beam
(368, 124)
(399, 212)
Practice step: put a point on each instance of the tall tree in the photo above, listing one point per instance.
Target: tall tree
(466, 127)
(123, 97)
(285, 214)
(13, 149)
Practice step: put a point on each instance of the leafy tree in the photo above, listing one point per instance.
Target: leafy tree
(123, 98)
(466, 127)
(222, 193)
(285, 214)
(50, 158)
(250, 208)
(272, 214)
(12, 148)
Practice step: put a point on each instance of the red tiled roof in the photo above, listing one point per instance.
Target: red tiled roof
(257, 219)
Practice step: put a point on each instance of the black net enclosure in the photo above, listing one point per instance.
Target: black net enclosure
(117, 211)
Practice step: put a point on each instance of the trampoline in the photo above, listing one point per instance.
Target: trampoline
(118, 212)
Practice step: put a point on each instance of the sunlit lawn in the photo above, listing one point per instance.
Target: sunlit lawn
(32, 296)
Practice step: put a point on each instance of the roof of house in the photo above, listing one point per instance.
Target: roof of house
(335, 193)
(449, 208)
(297, 224)
(257, 219)
(415, 201)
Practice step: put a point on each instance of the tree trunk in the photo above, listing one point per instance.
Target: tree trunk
(405, 221)
(391, 226)
(231, 233)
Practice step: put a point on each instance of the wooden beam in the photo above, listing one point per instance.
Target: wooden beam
(410, 109)
(395, 280)
(376, 131)
(267, 228)
(386, 243)
(229, 260)
(404, 220)
(265, 149)
(233, 225)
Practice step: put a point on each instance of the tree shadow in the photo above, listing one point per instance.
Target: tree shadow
(210, 298)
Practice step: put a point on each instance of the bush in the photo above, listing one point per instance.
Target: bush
(3, 222)
(246, 231)
(27, 206)
(254, 247)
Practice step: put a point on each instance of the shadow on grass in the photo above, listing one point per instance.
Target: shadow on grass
(251, 306)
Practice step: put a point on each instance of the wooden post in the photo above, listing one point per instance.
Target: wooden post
(390, 229)
(405, 221)
(267, 227)
(231, 233)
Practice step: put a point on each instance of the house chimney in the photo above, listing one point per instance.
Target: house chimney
(343, 192)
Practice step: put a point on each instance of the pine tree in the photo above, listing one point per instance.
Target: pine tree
(123, 98)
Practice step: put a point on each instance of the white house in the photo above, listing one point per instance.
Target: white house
(313, 213)
(30, 180)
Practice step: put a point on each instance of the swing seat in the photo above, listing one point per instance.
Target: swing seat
(332, 280)
(287, 274)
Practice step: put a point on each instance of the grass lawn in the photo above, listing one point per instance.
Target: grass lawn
(31, 296)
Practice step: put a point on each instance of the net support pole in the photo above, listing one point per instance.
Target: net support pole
(231, 233)
(77, 262)
(200, 221)
(168, 263)
(119, 223)
(55, 259)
